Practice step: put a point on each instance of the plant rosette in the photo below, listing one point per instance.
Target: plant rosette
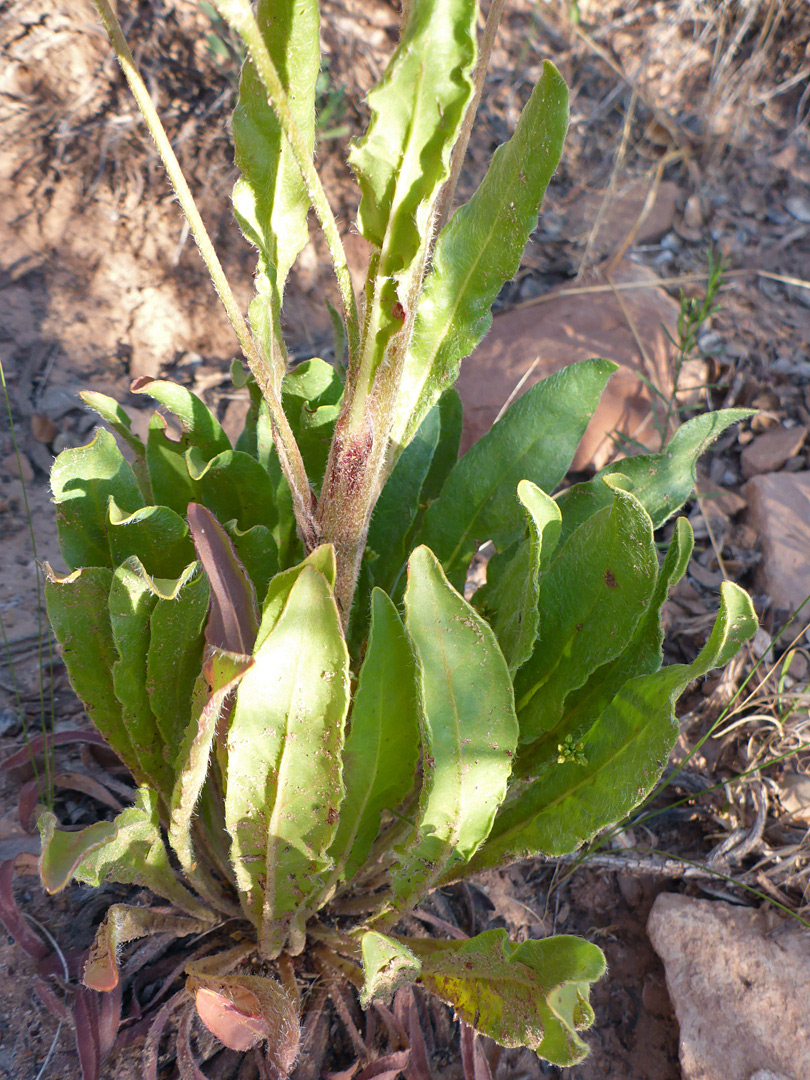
(273, 636)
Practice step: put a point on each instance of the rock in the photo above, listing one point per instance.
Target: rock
(779, 511)
(768, 452)
(738, 982)
(794, 794)
(58, 401)
(43, 428)
(622, 214)
(544, 337)
(799, 207)
(693, 212)
(11, 467)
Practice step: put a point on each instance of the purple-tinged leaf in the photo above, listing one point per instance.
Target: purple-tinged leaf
(46, 743)
(386, 1068)
(109, 1019)
(186, 1065)
(406, 1012)
(49, 999)
(234, 615)
(12, 918)
(151, 1048)
(122, 924)
(473, 1059)
(85, 1026)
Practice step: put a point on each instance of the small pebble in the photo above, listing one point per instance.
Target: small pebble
(11, 467)
(43, 428)
(799, 207)
(693, 212)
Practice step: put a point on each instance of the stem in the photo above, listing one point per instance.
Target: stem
(289, 455)
(239, 14)
(460, 149)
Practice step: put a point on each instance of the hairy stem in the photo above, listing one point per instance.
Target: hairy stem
(289, 455)
(239, 14)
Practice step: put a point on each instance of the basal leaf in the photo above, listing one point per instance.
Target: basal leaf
(82, 481)
(234, 487)
(469, 728)
(446, 455)
(257, 551)
(224, 672)
(621, 757)
(122, 924)
(278, 591)
(79, 613)
(534, 994)
(535, 440)
(168, 469)
(233, 618)
(642, 656)
(155, 534)
(479, 250)
(593, 595)
(311, 395)
(510, 599)
(269, 198)
(387, 965)
(243, 1011)
(200, 427)
(128, 850)
(283, 785)
(382, 747)
(110, 411)
(132, 600)
(174, 660)
(661, 482)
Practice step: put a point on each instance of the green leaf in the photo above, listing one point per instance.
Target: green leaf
(278, 591)
(269, 198)
(132, 599)
(82, 481)
(157, 535)
(642, 656)
(129, 850)
(258, 553)
(403, 159)
(661, 482)
(234, 487)
(256, 437)
(479, 250)
(534, 994)
(224, 672)
(110, 411)
(79, 614)
(446, 455)
(469, 728)
(174, 659)
(283, 785)
(510, 599)
(168, 469)
(593, 595)
(387, 966)
(382, 748)
(200, 428)
(622, 756)
(311, 395)
(416, 113)
(535, 440)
